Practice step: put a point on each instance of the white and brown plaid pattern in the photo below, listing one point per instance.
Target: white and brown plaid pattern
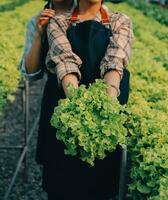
(61, 60)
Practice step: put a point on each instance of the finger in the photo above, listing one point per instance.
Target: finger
(49, 11)
(44, 18)
(43, 22)
(46, 11)
(47, 15)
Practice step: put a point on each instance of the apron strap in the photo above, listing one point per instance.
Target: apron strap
(104, 16)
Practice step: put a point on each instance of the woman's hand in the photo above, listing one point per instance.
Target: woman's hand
(43, 19)
(33, 58)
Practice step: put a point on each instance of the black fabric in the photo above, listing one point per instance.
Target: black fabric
(45, 41)
(89, 41)
(68, 177)
(47, 6)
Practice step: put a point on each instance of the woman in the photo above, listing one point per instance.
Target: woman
(31, 64)
(86, 44)
(66, 177)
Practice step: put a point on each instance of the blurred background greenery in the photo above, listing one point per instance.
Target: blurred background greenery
(149, 89)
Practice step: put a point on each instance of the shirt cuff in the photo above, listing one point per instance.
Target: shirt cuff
(64, 64)
(114, 64)
(32, 76)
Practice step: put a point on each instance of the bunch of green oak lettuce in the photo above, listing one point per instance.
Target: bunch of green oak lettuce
(89, 122)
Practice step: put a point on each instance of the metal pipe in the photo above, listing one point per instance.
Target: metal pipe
(12, 147)
(15, 173)
(26, 103)
(21, 159)
(122, 183)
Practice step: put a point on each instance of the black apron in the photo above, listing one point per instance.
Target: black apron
(67, 176)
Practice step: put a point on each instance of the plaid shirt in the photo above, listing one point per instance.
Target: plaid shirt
(31, 30)
(61, 60)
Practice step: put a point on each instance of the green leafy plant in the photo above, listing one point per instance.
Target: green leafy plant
(13, 25)
(148, 146)
(89, 122)
(155, 11)
(148, 105)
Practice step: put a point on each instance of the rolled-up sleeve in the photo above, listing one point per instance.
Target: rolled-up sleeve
(119, 48)
(30, 33)
(60, 58)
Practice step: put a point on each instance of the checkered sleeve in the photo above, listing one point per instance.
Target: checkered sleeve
(119, 48)
(60, 58)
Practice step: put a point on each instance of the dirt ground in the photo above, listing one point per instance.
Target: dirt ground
(12, 134)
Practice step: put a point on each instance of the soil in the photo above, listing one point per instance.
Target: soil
(12, 125)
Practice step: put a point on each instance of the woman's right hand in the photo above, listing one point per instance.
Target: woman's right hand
(43, 19)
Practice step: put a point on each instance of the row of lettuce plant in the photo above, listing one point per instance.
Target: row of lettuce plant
(151, 10)
(148, 104)
(12, 36)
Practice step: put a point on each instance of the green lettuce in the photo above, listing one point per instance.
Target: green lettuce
(89, 122)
